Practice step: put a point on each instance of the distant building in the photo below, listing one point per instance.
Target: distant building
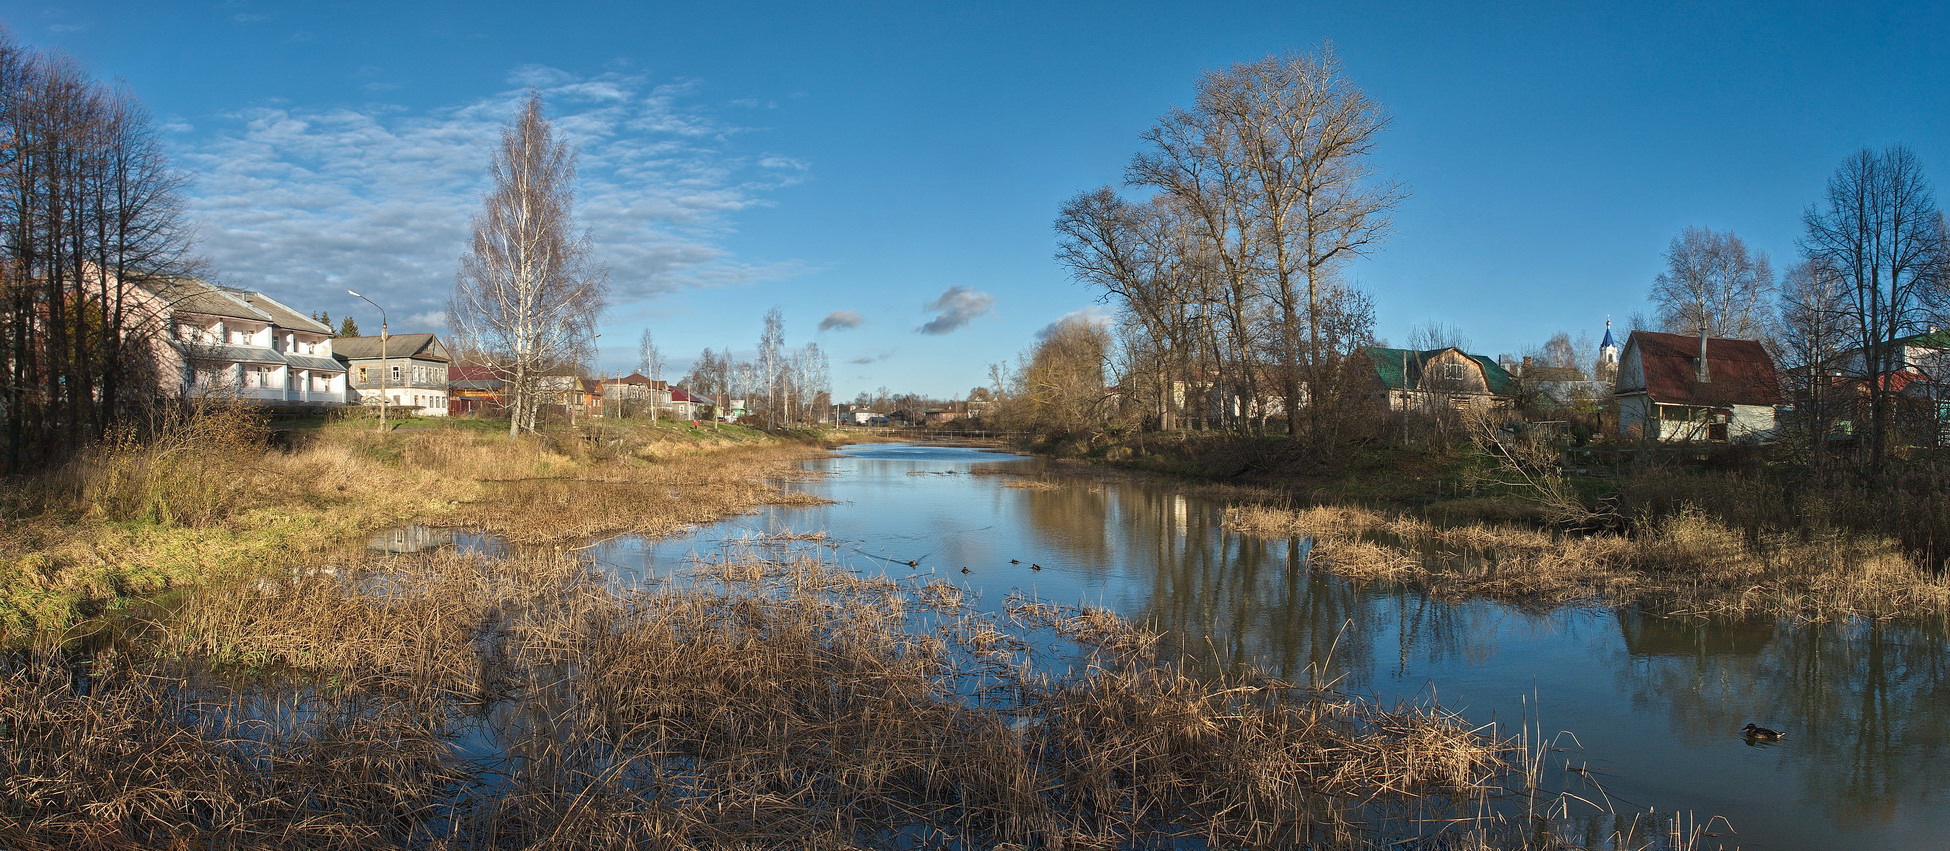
(411, 370)
(1437, 378)
(1667, 391)
(473, 389)
(241, 344)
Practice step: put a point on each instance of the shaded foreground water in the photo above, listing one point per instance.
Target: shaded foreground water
(1649, 708)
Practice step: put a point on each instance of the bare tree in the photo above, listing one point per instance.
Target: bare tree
(89, 214)
(528, 294)
(1879, 236)
(1270, 166)
(1714, 285)
(1814, 334)
(1436, 335)
(771, 372)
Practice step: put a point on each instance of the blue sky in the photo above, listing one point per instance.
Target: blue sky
(903, 162)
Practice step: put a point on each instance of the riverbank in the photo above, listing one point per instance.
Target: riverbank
(1743, 539)
(297, 688)
(211, 499)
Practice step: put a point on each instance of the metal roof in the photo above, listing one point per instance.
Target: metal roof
(1401, 369)
(1738, 372)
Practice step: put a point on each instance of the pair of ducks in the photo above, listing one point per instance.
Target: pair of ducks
(1011, 561)
(1761, 734)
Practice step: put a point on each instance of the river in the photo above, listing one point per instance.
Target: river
(1646, 708)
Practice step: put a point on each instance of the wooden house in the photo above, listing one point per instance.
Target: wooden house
(1678, 387)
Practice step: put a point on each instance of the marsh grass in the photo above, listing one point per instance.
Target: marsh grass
(206, 496)
(770, 700)
(1687, 562)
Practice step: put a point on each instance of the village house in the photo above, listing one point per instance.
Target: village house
(1437, 379)
(410, 369)
(474, 389)
(1667, 391)
(635, 396)
(236, 343)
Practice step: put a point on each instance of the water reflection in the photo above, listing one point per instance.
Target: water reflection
(412, 539)
(1655, 704)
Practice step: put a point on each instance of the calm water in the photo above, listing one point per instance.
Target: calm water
(1652, 706)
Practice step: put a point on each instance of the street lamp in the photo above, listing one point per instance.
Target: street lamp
(383, 366)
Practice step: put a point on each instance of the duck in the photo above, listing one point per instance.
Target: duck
(966, 570)
(1035, 567)
(1762, 733)
(1015, 561)
(914, 563)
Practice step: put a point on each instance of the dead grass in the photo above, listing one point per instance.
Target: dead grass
(208, 497)
(772, 702)
(1684, 563)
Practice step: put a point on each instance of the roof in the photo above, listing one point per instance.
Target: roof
(1389, 366)
(421, 346)
(1739, 372)
(1931, 339)
(189, 295)
(242, 354)
(472, 372)
(679, 394)
(314, 362)
(281, 316)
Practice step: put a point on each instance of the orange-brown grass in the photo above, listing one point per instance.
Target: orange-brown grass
(1684, 563)
(773, 700)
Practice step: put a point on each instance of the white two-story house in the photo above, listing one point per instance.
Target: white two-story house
(242, 344)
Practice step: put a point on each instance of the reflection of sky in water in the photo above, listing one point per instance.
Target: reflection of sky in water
(1654, 703)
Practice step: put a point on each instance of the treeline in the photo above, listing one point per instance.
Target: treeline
(780, 386)
(89, 210)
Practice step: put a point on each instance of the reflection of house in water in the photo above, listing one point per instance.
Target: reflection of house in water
(1646, 635)
(412, 539)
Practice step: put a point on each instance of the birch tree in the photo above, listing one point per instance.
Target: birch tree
(527, 295)
(1714, 285)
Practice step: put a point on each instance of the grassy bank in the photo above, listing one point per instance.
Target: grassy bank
(1740, 535)
(211, 497)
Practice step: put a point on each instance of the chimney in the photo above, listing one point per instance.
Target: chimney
(1703, 377)
(1526, 365)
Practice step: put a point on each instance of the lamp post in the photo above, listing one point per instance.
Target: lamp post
(383, 365)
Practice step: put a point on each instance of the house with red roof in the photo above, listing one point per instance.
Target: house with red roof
(1680, 388)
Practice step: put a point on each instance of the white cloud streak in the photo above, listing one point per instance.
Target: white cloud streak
(304, 202)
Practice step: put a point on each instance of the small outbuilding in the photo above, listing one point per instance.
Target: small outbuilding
(1675, 387)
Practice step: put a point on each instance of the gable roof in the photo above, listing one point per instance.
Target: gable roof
(1738, 372)
(281, 316)
(189, 295)
(422, 346)
(1401, 369)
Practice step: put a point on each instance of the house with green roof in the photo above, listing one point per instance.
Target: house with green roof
(1437, 379)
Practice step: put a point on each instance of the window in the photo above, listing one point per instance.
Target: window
(1454, 371)
(362, 375)
(396, 373)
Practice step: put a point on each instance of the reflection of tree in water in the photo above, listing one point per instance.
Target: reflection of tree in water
(1079, 517)
(1864, 704)
(1227, 599)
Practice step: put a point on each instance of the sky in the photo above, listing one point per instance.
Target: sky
(887, 174)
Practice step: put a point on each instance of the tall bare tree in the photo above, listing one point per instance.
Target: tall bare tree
(1436, 335)
(89, 212)
(1714, 285)
(528, 294)
(1878, 234)
(1271, 166)
(771, 366)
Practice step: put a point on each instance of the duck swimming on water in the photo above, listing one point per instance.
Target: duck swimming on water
(1762, 734)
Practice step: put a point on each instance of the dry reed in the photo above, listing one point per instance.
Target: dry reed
(773, 700)
(1684, 563)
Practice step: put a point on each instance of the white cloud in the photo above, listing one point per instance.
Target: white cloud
(958, 305)
(303, 202)
(1096, 314)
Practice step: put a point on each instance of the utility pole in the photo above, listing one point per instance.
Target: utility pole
(384, 367)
